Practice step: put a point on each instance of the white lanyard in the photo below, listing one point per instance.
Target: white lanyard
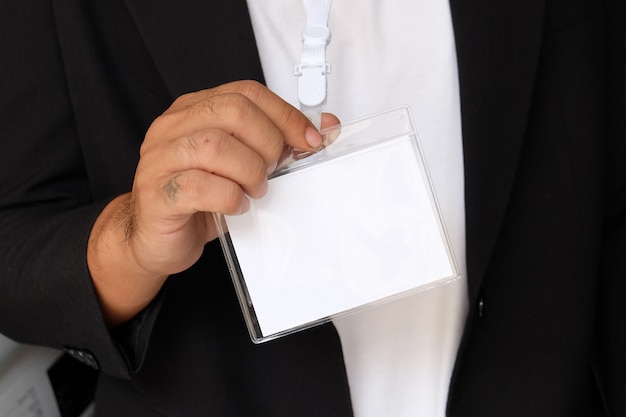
(313, 67)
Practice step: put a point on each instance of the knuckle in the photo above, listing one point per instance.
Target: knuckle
(236, 107)
(228, 107)
(158, 129)
(213, 145)
(202, 107)
(191, 150)
(157, 125)
(250, 88)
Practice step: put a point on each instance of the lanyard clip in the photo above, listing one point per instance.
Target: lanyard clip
(312, 83)
(311, 73)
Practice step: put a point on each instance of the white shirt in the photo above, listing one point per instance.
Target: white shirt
(399, 357)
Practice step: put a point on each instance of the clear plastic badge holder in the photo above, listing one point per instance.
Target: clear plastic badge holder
(349, 227)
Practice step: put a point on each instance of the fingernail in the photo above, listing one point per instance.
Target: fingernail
(264, 188)
(313, 137)
(272, 168)
(245, 205)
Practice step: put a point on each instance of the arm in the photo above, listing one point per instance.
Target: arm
(46, 208)
(47, 212)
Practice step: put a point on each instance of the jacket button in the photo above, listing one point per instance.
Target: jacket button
(481, 308)
(83, 356)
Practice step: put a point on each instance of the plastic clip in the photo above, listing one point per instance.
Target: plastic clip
(311, 73)
(312, 83)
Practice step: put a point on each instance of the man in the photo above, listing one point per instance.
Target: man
(86, 214)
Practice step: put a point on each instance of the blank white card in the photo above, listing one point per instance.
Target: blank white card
(340, 235)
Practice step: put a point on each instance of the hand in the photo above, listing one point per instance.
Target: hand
(209, 152)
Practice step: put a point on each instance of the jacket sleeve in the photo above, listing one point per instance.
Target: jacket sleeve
(46, 208)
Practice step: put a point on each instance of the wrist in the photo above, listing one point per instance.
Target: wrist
(123, 286)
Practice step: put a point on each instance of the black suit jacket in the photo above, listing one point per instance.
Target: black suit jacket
(541, 94)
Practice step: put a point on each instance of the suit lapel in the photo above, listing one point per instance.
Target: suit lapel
(218, 40)
(498, 49)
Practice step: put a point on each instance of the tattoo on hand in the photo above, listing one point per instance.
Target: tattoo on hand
(171, 188)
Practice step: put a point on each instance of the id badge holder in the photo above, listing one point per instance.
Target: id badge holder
(347, 228)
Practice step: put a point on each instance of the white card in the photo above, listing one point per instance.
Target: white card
(340, 235)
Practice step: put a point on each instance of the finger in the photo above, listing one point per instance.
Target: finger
(296, 129)
(213, 151)
(193, 191)
(329, 121)
(232, 113)
(331, 128)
